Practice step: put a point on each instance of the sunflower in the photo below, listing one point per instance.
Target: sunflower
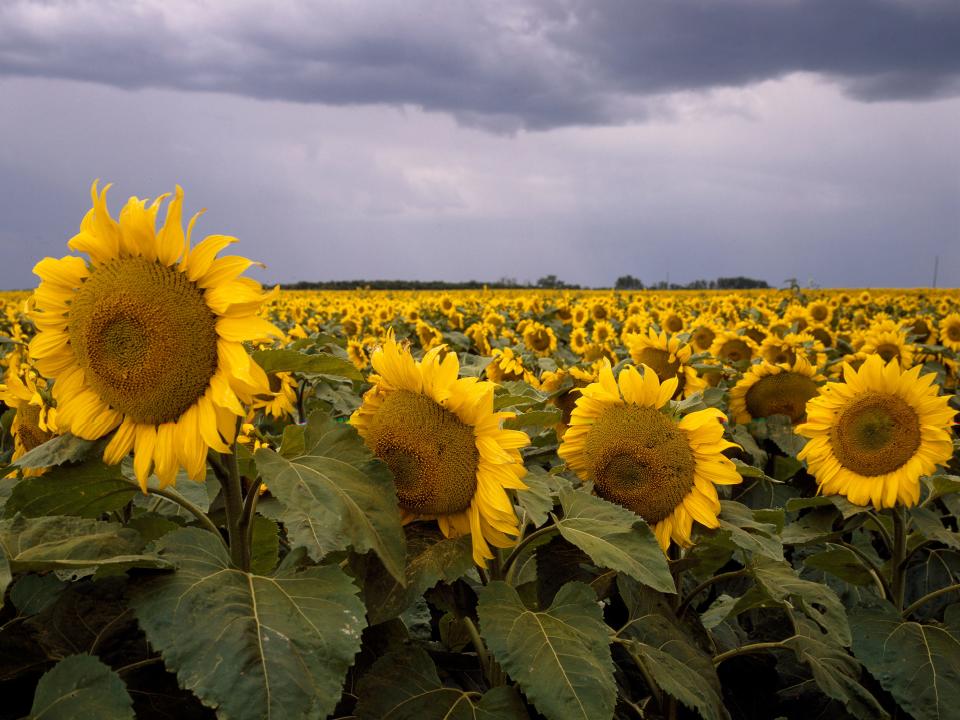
(950, 332)
(507, 366)
(890, 344)
(451, 460)
(638, 456)
(732, 347)
(873, 436)
(539, 339)
(281, 399)
(35, 421)
(146, 338)
(767, 389)
(668, 357)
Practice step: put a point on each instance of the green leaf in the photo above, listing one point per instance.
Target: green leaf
(61, 449)
(664, 650)
(918, 664)
(560, 657)
(940, 485)
(251, 646)
(929, 525)
(676, 678)
(538, 500)
(841, 562)
(265, 549)
(87, 490)
(835, 672)
(273, 361)
(32, 594)
(749, 533)
(431, 558)
(614, 538)
(81, 687)
(335, 495)
(534, 418)
(72, 543)
(6, 574)
(404, 685)
(818, 602)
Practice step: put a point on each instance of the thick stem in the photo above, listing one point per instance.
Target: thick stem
(249, 511)
(486, 661)
(898, 556)
(509, 565)
(233, 506)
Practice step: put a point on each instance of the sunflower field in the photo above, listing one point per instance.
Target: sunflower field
(221, 500)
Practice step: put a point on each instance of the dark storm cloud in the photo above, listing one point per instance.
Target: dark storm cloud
(501, 66)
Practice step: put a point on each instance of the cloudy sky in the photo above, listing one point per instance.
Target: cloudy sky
(816, 139)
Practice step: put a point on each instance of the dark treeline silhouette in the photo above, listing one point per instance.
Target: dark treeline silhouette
(629, 282)
(549, 281)
(625, 282)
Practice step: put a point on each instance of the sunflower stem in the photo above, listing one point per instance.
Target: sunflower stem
(175, 497)
(233, 505)
(928, 597)
(510, 564)
(486, 662)
(704, 585)
(750, 649)
(899, 554)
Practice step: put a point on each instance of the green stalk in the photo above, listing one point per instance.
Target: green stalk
(899, 555)
(233, 505)
(509, 565)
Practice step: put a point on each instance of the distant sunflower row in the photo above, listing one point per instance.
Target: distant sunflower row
(145, 337)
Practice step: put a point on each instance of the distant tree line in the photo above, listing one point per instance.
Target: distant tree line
(625, 282)
(548, 281)
(629, 282)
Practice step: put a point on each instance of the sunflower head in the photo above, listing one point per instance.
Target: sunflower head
(874, 435)
(450, 457)
(145, 337)
(636, 454)
(767, 389)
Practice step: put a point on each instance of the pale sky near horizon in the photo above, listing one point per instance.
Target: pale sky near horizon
(816, 139)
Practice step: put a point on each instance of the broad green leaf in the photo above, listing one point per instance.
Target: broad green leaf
(152, 526)
(538, 500)
(835, 672)
(34, 593)
(273, 361)
(678, 679)
(87, 490)
(925, 521)
(940, 485)
(560, 657)
(61, 449)
(748, 533)
(430, 559)
(265, 549)
(614, 538)
(665, 651)
(918, 664)
(72, 543)
(779, 581)
(252, 646)
(81, 687)
(404, 685)
(847, 509)
(842, 562)
(335, 495)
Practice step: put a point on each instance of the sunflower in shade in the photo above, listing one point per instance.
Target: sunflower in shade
(451, 459)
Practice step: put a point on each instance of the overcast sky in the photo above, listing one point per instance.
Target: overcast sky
(816, 139)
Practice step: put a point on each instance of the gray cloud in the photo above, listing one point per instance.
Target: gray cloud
(501, 66)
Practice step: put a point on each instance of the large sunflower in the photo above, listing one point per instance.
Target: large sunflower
(451, 459)
(638, 456)
(145, 338)
(873, 436)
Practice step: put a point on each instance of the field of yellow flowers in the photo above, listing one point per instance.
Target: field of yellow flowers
(229, 501)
